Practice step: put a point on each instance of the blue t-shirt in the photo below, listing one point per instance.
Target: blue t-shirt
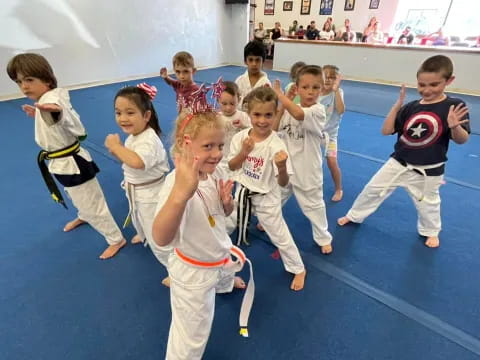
(423, 133)
(333, 117)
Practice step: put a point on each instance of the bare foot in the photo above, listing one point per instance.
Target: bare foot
(136, 240)
(343, 221)
(112, 250)
(260, 227)
(326, 249)
(432, 242)
(73, 224)
(238, 283)
(298, 281)
(166, 281)
(338, 195)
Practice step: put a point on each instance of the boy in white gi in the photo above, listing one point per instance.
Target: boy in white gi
(301, 127)
(263, 167)
(424, 128)
(144, 161)
(58, 132)
(254, 77)
(191, 217)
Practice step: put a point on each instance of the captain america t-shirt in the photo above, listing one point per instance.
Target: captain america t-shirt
(423, 133)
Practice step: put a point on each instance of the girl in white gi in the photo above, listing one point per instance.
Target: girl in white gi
(331, 96)
(193, 203)
(235, 120)
(58, 131)
(301, 127)
(144, 159)
(261, 158)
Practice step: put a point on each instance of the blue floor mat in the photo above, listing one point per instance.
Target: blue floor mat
(59, 301)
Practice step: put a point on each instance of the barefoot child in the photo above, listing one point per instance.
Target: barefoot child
(331, 96)
(424, 128)
(191, 217)
(235, 120)
(144, 160)
(57, 131)
(301, 127)
(184, 86)
(261, 158)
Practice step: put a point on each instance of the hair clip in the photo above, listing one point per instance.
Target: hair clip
(149, 89)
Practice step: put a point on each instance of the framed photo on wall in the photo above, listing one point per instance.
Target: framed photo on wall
(287, 5)
(374, 4)
(305, 8)
(326, 7)
(269, 8)
(349, 5)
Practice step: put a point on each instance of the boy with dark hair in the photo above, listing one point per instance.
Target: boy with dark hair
(254, 77)
(184, 86)
(424, 128)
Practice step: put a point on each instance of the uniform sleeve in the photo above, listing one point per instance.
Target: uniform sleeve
(150, 151)
(235, 145)
(400, 119)
(315, 119)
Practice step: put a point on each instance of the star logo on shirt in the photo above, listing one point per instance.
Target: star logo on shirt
(417, 131)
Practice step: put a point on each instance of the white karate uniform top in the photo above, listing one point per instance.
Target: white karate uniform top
(244, 86)
(52, 136)
(303, 139)
(193, 289)
(233, 124)
(143, 199)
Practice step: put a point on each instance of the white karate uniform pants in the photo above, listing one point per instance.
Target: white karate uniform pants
(313, 207)
(192, 299)
(268, 210)
(143, 207)
(92, 207)
(428, 209)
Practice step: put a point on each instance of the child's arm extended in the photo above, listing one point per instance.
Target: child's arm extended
(247, 146)
(54, 109)
(339, 104)
(164, 75)
(294, 110)
(281, 164)
(388, 127)
(168, 219)
(225, 192)
(455, 116)
(126, 156)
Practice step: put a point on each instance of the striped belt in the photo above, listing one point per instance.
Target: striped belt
(47, 177)
(234, 266)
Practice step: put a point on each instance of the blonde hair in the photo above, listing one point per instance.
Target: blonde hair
(191, 124)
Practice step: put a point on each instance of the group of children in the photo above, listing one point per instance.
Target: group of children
(266, 144)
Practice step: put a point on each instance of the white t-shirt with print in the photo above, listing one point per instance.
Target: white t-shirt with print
(303, 139)
(259, 172)
(148, 146)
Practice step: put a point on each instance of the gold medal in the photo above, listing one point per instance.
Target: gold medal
(211, 220)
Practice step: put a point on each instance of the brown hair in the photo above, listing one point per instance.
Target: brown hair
(187, 123)
(437, 64)
(33, 65)
(261, 95)
(183, 58)
(232, 89)
(314, 70)
(294, 70)
(333, 68)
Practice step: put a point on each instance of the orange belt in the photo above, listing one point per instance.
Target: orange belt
(235, 266)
